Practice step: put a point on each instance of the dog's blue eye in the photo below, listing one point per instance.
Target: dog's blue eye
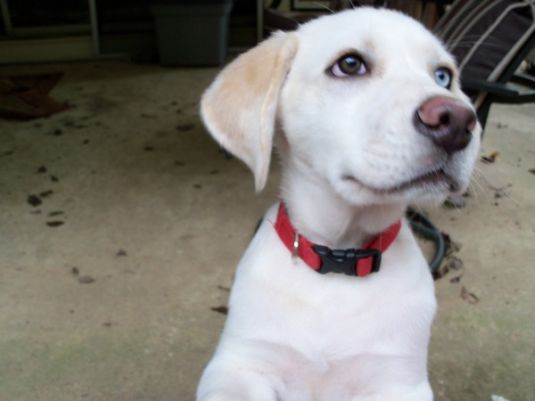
(349, 65)
(443, 77)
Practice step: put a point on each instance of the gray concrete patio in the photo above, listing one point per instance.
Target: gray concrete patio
(117, 302)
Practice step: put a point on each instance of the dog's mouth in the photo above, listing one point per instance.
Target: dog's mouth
(434, 179)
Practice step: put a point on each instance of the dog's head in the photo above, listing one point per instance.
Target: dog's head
(367, 100)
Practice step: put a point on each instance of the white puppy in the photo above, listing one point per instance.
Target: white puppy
(367, 114)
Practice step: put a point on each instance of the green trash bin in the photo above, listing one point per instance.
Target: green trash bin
(192, 32)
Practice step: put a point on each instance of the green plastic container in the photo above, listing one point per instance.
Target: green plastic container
(192, 33)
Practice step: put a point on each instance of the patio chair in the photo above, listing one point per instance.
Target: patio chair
(490, 39)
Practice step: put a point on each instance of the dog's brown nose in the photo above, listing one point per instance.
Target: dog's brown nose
(447, 122)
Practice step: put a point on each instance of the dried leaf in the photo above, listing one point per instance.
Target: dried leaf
(220, 309)
(222, 288)
(185, 127)
(451, 246)
(86, 280)
(502, 192)
(34, 200)
(491, 158)
(56, 213)
(454, 202)
(55, 223)
(468, 296)
(441, 271)
(46, 193)
(121, 253)
(455, 263)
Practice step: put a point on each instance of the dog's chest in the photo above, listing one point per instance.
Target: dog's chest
(287, 303)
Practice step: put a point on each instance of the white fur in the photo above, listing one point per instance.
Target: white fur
(293, 334)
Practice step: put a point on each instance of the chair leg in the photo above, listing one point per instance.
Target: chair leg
(483, 113)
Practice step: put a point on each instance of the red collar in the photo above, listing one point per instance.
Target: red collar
(353, 262)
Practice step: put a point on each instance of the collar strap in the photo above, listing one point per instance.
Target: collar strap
(353, 262)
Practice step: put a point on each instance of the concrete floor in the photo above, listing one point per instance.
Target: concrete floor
(116, 303)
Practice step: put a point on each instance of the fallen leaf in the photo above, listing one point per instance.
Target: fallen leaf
(55, 223)
(222, 288)
(146, 115)
(532, 170)
(86, 280)
(502, 191)
(46, 193)
(451, 246)
(220, 309)
(441, 271)
(7, 153)
(491, 158)
(454, 202)
(468, 296)
(185, 127)
(34, 200)
(56, 213)
(455, 263)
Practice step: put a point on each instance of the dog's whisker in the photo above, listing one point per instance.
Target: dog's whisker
(484, 178)
(475, 188)
(355, 3)
(478, 173)
(325, 7)
(475, 185)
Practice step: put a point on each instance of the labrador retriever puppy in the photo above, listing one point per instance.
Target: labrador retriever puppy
(333, 300)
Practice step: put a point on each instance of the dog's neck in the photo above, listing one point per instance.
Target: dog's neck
(323, 217)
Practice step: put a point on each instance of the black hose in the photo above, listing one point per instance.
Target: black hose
(422, 226)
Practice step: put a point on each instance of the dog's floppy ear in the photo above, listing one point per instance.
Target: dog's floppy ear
(239, 107)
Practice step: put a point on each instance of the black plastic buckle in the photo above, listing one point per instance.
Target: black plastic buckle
(345, 260)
